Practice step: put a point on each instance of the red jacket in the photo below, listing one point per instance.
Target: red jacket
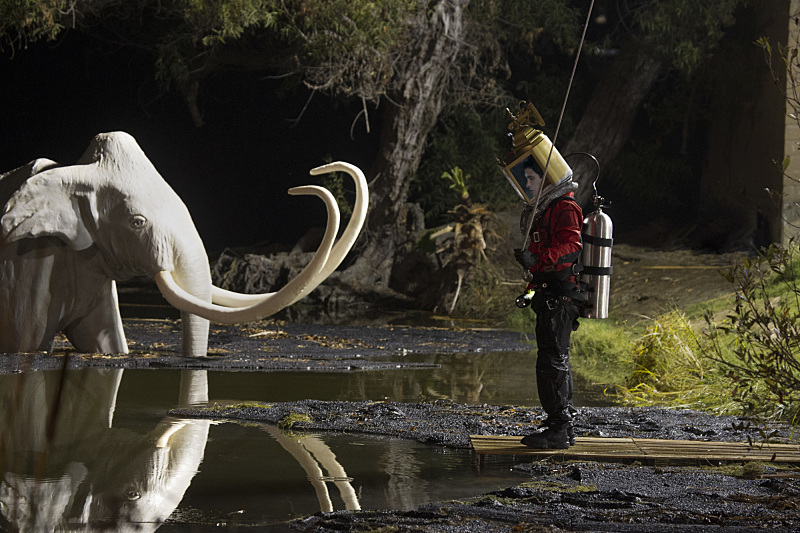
(556, 239)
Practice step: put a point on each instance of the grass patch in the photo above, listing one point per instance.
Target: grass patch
(671, 369)
(600, 352)
(748, 470)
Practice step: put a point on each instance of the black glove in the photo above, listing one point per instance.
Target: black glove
(525, 258)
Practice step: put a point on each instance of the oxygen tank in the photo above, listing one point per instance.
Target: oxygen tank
(597, 241)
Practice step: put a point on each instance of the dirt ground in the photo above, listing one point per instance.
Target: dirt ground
(648, 281)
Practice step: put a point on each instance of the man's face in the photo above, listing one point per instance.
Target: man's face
(533, 179)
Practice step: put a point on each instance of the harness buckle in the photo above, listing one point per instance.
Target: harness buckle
(536, 237)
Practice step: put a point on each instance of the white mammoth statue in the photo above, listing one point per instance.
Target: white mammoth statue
(68, 232)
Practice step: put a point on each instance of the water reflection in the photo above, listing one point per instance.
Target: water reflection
(313, 455)
(248, 478)
(67, 461)
(405, 484)
(64, 465)
(93, 451)
(475, 378)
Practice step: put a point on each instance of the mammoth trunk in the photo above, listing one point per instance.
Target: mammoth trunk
(194, 278)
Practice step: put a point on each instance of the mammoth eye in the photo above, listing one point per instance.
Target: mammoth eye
(138, 221)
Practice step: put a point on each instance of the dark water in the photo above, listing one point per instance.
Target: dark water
(96, 447)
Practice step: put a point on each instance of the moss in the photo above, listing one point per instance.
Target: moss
(748, 470)
(288, 422)
(216, 408)
(551, 486)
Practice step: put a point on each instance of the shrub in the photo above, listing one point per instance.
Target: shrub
(758, 344)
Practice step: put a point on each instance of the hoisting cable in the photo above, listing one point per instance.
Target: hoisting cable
(596, 164)
(526, 241)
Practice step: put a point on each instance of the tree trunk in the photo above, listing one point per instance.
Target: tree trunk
(415, 101)
(606, 124)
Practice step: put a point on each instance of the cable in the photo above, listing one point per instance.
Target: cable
(596, 162)
(526, 242)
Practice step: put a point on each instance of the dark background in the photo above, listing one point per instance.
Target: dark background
(232, 173)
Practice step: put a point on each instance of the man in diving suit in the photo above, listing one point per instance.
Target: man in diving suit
(555, 246)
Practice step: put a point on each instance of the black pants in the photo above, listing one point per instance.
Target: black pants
(556, 319)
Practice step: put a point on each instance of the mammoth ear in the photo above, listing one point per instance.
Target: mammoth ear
(48, 204)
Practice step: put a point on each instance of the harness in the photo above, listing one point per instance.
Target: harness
(556, 281)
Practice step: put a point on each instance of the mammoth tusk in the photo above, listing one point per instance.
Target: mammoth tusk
(337, 254)
(296, 288)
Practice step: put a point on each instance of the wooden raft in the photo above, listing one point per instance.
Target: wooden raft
(647, 451)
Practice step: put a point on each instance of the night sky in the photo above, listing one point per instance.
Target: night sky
(232, 173)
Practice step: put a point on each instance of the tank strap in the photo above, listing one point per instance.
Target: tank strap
(598, 241)
(597, 271)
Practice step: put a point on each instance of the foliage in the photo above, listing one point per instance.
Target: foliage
(470, 246)
(193, 31)
(457, 181)
(784, 61)
(666, 152)
(26, 21)
(748, 363)
(667, 176)
(472, 142)
(463, 247)
(334, 182)
(346, 47)
(524, 24)
(670, 369)
(784, 65)
(226, 20)
(685, 32)
(484, 295)
(759, 343)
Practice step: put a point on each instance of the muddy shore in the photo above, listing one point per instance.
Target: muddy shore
(274, 345)
(561, 495)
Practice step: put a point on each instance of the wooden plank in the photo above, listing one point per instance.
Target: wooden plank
(646, 450)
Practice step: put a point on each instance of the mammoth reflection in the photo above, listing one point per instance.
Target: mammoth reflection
(64, 465)
(314, 455)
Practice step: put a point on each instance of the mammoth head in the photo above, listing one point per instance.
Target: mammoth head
(114, 199)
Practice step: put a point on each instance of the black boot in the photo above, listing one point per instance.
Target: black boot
(571, 435)
(549, 439)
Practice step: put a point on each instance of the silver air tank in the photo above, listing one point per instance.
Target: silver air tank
(597, 241)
